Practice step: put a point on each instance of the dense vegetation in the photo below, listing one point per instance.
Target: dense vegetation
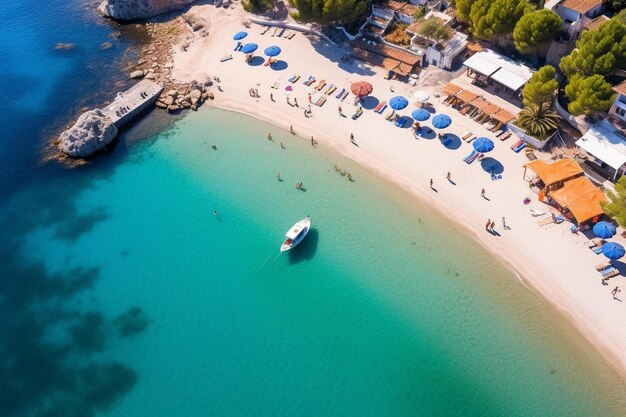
(536, 28)
(258, 6)
(541, 88)
(617, 207)
(435, 29)
(589, 95)
(538, 120)
(330, 11)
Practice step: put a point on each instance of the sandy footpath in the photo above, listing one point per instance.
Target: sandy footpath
(550, 259)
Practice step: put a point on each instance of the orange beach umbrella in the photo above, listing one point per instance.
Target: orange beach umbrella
(361, 88)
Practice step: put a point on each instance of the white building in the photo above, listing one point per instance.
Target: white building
(575, 13)
(618, 109)
(606, 143)
(438, 53)
(489, 67)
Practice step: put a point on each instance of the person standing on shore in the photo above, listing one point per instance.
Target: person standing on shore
(295, 100)
(313, 141)
(293, 132)
(272, 96)
(340, 112)
(492, 226)
(269, 136)
(488, 225)
(482, 193)
(431, 183)
(449, 176)
(614, 293)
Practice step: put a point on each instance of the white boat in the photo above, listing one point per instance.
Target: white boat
(296, 234)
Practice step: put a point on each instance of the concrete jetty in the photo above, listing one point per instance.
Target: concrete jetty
(128, 104)
(95, 129)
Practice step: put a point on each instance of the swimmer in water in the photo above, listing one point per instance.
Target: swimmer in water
(215, 212)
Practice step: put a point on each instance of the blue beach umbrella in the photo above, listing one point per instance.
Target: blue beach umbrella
(613, 250)
(249, 48)
(420, 115)
(272, 51)
(483, 145)
(604, 230)
(441, 121)
(398, 102)
(240, 35)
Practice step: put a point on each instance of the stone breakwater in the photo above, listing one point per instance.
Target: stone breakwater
(156, 62)
(139, 9)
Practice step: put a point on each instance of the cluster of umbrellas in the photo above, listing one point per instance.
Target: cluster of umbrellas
(606, 230)
(249, 48)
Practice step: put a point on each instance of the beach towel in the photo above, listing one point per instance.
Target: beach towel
(380, 106)
(546, 221)
(537, 213)
(518, 146)
(338, 96)
(471, 157)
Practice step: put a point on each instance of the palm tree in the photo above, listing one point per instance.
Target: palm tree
(538, 120)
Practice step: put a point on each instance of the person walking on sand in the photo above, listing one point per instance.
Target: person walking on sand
(482, 193)
(310, 100)
(431, 183)
(313, 141)
(449, 176)
(295, 101)
(504, 226)
(269, 136)
(272, 96)
(293, 132)
(488, 225)
(340, 111)
(614, 292)
(282, 146)
(492, 226)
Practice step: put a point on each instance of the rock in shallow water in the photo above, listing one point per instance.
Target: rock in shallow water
(91, 133)
(136, 74)
(139, 9)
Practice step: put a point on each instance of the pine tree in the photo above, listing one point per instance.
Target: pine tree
(617, 207)
(489, 18)
(589, 95)
(463, 8)
(541, 87)
(535, 28)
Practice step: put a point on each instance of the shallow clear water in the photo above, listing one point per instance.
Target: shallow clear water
(385, 309)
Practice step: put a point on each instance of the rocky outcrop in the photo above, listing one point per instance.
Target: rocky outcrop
(91, 133)
(139, 9)
(187, 96)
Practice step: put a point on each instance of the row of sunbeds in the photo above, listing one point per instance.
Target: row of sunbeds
(322, 87)
(280, 32)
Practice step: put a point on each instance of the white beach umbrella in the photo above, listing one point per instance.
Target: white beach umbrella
(421, 96)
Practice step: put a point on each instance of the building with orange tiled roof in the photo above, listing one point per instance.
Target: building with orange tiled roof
(618, 109)
(576, 13)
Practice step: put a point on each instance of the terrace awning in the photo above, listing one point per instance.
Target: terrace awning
(451, 89)
(503, 116)
(491, 109)
(466, 96)
(480, 103)
(561, 170)
(581, 198)
(481, 65)
(508, 79)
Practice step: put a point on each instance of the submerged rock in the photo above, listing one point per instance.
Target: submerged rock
(136, 74)
(92, 132)
(139, 9)
(63, 46)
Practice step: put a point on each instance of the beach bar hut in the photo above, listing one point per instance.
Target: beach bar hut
(581, 198)
(552, 176)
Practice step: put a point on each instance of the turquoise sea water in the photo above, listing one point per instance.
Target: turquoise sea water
(122, 295)
(385, 309)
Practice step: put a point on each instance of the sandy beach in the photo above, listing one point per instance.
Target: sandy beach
(552, 261)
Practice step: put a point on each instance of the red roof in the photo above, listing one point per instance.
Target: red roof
(581, 6)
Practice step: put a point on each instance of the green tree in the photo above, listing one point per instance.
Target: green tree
(621, 16)
(435, 29)
(616, 208)
(535, 28)
(589, 95)
(489, 18)
(541, 87)
(617, 5)
(598, 51)
(258, 6)
(538, 120)
(463, 8)
(330, 11)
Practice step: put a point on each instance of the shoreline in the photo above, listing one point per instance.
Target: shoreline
(550, 262)
(577, 322)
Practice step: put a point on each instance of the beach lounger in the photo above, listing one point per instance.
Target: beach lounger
(546, 221)
(537, 213)
(320, 85)
(518, 146)
(343, 97)
(471, 157)
(603, 266)
(320, 102)
(238, 46)
(389, 115)
(338, 96)
(226, 58)
(357, 114)
(381, 111)
(500, 133)
(505, 137)
(467, 135)
(291, 35)
(281, 32)
(265, 30)
(310, 80)
(274, 31)
(613, 273)
(470, 140)
(294, 79)
(380, 106)
(331, 90)
(328, 89)
(400, 122)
